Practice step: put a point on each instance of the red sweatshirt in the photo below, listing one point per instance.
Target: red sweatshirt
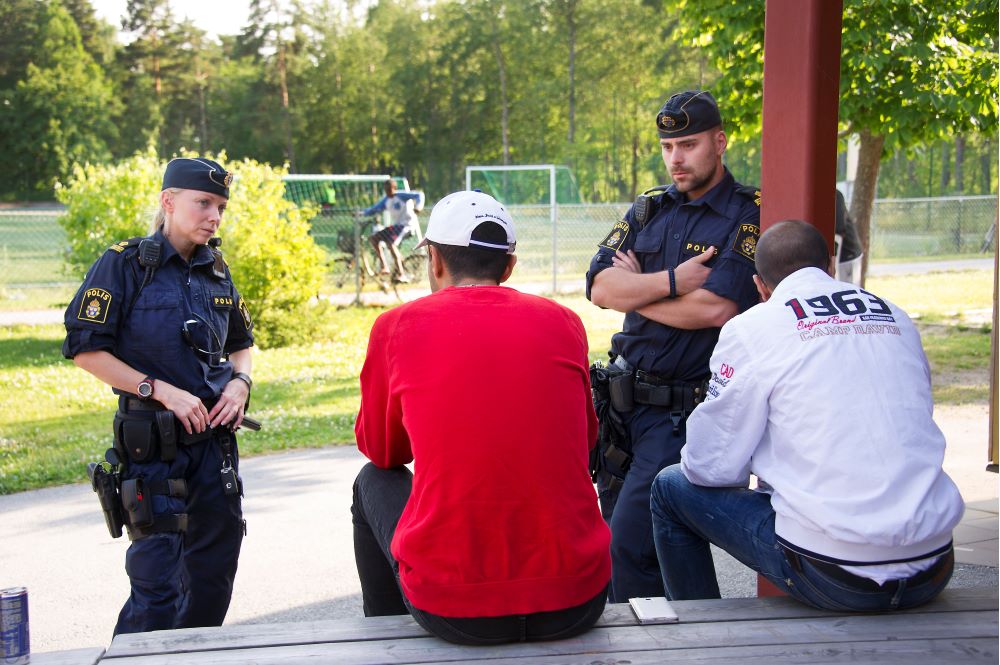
(487, 391)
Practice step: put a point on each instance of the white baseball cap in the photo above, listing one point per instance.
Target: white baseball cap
(457, 215)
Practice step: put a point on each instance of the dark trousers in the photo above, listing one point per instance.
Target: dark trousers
(185, 580)
(635, 571)
(380, 495)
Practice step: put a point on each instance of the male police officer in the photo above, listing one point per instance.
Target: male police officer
(680, 264)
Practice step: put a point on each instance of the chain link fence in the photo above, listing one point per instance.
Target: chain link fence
(933, 226)
(31, 249)
(552, 256)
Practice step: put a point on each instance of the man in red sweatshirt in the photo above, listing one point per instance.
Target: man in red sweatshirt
(496, 536)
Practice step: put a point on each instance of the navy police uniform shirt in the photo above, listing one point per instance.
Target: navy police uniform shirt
(150, 338)
(726, 217)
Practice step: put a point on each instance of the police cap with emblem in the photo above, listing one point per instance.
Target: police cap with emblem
(688, 113)
(198, 173)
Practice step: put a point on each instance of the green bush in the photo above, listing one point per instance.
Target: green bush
(107, 203)
(276, 265)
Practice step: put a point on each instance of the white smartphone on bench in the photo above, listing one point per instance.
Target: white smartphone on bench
(653, 610)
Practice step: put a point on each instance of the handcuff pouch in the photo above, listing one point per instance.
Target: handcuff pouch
(137, 436)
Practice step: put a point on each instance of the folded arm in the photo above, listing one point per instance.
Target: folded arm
(625, 288)
(699, 309)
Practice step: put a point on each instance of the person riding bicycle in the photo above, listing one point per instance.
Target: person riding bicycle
(402, 207)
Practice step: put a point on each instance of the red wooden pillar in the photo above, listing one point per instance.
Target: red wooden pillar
(801, 100)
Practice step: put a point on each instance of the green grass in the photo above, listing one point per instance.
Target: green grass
(959, 359)
(936, 258)
(35, 298)
(54, 418)
(960, 297)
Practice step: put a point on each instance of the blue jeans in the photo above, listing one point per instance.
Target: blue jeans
(687, 518)
(380, 495)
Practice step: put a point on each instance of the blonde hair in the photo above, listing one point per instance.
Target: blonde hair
(160, 219)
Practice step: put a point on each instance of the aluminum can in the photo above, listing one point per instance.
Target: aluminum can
(14, 626)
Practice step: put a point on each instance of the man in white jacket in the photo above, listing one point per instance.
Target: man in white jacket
(823, 393)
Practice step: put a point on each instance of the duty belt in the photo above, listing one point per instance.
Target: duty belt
(647, 388)
(133, 405)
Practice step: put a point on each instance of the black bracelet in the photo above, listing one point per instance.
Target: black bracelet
(673, 283)
(245, 378)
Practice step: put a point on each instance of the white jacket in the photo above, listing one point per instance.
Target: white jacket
(823, 392)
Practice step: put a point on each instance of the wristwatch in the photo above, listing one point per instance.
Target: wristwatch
(145, 388)
(245, 378)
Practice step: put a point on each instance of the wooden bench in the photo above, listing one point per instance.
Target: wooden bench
(960, 626)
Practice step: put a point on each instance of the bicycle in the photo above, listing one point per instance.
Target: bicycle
(344, 265)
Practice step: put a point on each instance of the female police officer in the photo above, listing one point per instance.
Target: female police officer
(160, 321)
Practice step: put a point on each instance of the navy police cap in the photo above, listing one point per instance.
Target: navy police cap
(688, 113)
(198, 173)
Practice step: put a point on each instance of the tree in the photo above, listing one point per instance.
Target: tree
(99, 37)
(21, 21)
(272, 38)
(911, 72)
(58, 110)
(916, 172)
(139, 73)
(615, 152)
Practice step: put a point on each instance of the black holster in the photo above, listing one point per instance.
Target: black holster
(611, 456)
(105, 484)
(621, 389)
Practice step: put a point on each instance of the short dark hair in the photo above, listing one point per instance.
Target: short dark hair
(789, 246)
(476, 262)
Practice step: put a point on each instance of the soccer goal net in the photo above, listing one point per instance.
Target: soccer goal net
(535, 194)
(337, 196)
(539, 184)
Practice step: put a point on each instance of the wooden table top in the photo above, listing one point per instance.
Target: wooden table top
(959, 626)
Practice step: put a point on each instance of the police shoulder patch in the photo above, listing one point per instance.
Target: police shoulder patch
(94, 306)
(245, 313)
(619, 233)
(746, 240)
